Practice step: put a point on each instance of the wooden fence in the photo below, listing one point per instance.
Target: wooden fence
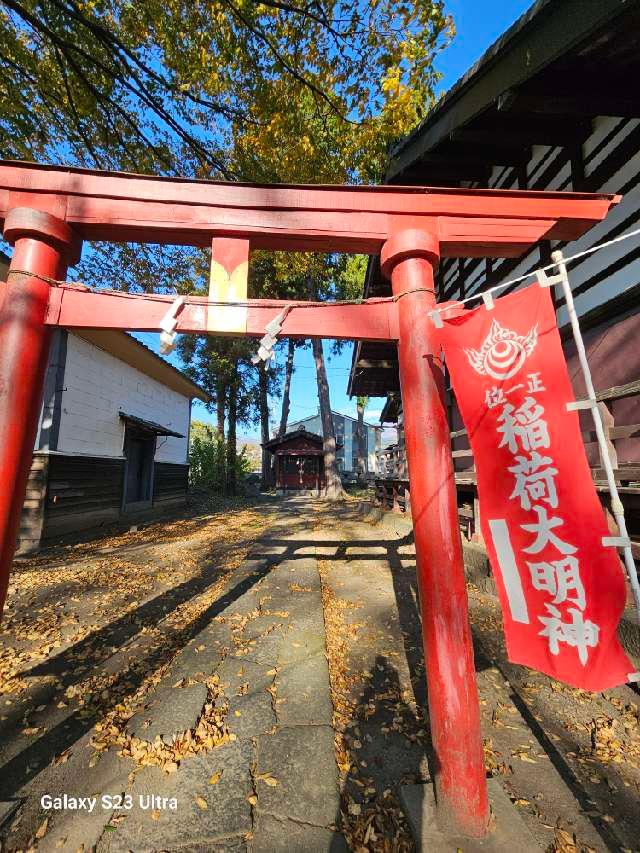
(392, 486)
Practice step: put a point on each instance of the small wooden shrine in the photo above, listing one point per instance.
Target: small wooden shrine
(299, 461)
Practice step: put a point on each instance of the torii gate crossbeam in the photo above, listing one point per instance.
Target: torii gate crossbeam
(48, 211)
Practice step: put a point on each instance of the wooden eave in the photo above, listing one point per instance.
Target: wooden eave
(552, 36)
(542, 82)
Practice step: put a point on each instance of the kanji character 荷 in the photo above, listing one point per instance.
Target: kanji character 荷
(534, 482)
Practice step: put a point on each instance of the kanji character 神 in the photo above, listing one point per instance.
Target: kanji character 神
(559, 578)
(577, 633)
(543, 528)
(523, 424)
(534, 482)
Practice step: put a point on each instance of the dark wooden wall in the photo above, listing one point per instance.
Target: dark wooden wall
(83, 492)
(170, 484)
(33, 508)
(71, 494)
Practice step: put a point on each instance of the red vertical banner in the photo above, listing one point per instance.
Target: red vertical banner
(561, 590)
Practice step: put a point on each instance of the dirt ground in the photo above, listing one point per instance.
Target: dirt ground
(90, 629)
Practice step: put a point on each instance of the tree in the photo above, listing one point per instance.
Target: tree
(361, 439)
(288, 373)
(157, 85)
(210, 89)
(333, 487)
(222, 366)
(263, 405)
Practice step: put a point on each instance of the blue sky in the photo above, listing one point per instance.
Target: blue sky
(478, 25)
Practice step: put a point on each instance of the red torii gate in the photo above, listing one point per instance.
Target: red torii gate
(47, 212)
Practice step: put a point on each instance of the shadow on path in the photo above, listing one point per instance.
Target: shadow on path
(30, 761)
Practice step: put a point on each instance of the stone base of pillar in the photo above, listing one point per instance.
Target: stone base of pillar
(507, 830)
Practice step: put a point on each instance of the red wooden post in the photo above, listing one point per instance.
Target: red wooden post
(408, 259)
(41, 246)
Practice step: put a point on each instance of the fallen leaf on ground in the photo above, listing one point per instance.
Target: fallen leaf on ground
(42, 829)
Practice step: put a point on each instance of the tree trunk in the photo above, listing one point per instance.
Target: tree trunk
(361, 443)
(333, 490)
(263, 402)
(220, 398)
(231, 442)
(284, 417)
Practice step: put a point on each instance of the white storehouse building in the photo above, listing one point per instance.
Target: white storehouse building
(112, 439)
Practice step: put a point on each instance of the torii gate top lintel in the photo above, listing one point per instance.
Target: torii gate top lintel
(47, 212)
(67, 205)
(138, 208)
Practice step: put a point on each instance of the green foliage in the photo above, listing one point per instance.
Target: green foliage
(214, 87)
(271, 91)
(208, 459)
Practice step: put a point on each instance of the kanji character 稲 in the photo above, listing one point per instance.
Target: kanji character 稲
(543, 528)
(523, 424)
(559, 578)
(577, 633)
(534, 482)
(534, 383)
(494, 397)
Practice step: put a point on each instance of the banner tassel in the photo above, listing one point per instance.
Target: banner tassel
(616, 504)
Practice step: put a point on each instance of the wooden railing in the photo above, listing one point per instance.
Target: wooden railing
(626, 473)
(392, 482)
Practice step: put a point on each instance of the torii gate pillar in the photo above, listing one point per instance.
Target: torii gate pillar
(44, 245)
(408, 258)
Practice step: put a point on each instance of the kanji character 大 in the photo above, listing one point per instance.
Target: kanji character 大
(534, 482)
(559, 578)
(523, 425)
(543, 528)
(577, 633)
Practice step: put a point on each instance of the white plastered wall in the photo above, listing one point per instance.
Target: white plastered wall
(97, 386)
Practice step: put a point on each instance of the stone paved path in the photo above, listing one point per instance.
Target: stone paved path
(277, 788)
(315, 645)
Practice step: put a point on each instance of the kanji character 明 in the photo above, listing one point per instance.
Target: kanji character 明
(534, 482)
(578, 633)
(559, 578)
(543, 528)
(535, 383)
(494, 396)
(525, 425)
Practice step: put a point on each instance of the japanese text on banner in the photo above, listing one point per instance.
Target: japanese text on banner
(562, 591)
